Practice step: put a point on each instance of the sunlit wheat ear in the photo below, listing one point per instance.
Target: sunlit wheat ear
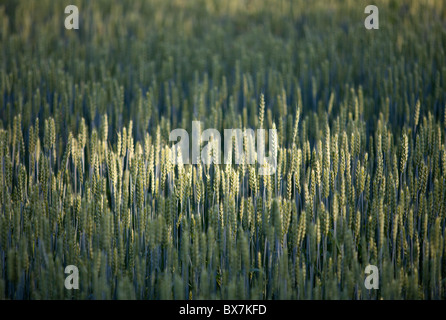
(417, 112)
(261, 110)
(404, 152)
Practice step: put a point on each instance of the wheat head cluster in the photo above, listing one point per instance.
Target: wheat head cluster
(86, 176)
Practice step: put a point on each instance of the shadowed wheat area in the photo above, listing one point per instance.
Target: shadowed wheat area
(86, 171)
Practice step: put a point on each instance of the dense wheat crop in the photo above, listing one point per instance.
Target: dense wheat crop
(87, 178)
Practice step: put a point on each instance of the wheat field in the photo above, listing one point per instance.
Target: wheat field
(87, 178)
